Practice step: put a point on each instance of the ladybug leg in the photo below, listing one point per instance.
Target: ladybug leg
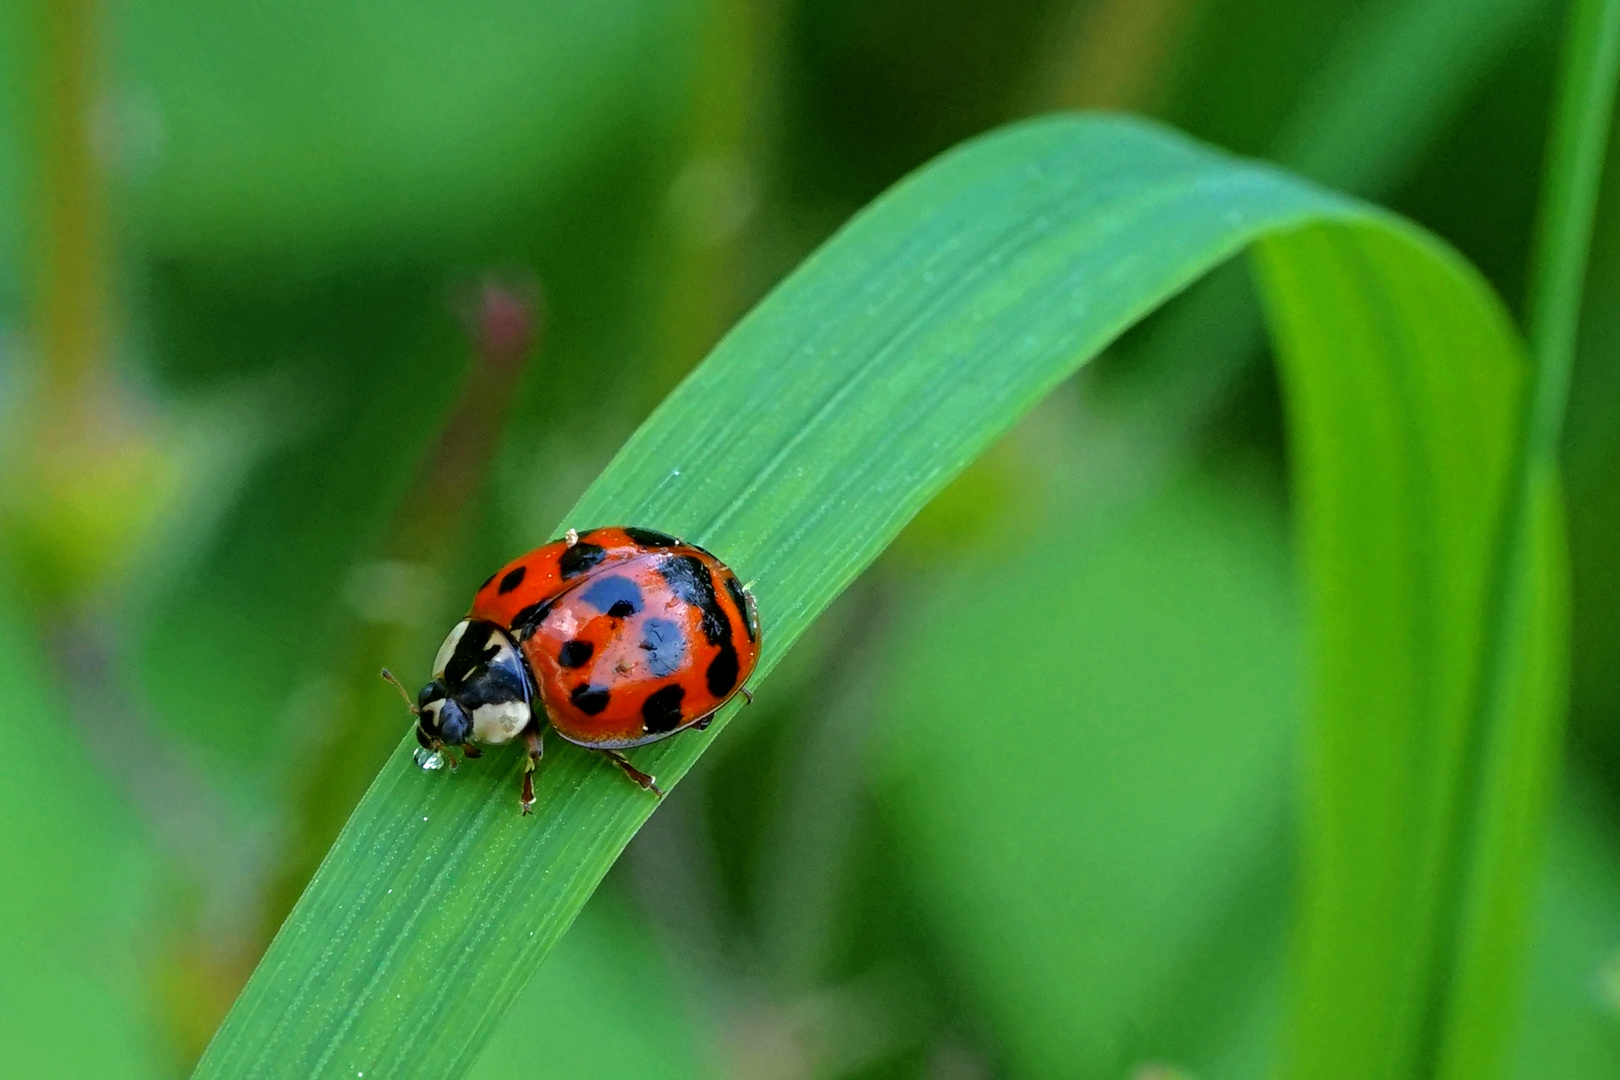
(471, 751)
(537, 748)
(748, 695)
(632, 772)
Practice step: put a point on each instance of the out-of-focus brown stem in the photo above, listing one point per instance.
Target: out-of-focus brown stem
(83, 468)
(73, 319)
(1112, 54)
(504, 321)
(503, 318)
(713, 203)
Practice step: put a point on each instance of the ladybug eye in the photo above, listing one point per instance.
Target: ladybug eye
(432, 692)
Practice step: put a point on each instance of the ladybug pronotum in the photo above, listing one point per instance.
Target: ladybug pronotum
(615, 638)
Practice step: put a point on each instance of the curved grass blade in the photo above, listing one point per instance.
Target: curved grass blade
(1395, 465)
(832, 413)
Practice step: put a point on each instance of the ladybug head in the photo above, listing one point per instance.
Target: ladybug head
(479, 689)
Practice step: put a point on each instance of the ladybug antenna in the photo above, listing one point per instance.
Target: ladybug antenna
(409, 704)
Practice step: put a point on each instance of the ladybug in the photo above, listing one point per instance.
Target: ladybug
(616, 638)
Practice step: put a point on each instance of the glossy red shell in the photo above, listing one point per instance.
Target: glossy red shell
(544, 573)
(630, 635)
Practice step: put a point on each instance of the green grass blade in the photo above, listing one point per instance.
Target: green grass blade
(1498, 854)
(832, 413)
(1405, 785)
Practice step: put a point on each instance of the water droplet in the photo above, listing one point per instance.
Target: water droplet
(429, 759)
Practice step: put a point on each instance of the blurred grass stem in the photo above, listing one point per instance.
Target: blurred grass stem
(712, 203)
(504, 320)
(1573, 171)
(1514, 761)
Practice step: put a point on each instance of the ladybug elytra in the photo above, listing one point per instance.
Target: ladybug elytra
(615, 638)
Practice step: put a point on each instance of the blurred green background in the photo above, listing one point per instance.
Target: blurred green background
(310, 315)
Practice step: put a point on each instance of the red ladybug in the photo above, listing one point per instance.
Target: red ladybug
(621, 636)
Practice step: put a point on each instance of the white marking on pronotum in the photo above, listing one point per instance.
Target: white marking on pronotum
(500, 722)
(505, 654)
(448, 649)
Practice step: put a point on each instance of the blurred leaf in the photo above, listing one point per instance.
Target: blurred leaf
(76, 893)
(244, 608)
(833, 412)
(1236, 46)
(1392, 81)
(1592, 463)
(326, 127)
(605, 1004)
(1570, 1029)
(1133, 686)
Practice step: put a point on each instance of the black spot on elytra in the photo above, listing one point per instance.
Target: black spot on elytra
(613, 595)
(513, 578)
(665, 646)
(690, 580)
(722, 673)
(589, 699)
(574, 653)
(527, 621)
(581, 557)
(651, 538)
(741, 600)
(661, 711)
